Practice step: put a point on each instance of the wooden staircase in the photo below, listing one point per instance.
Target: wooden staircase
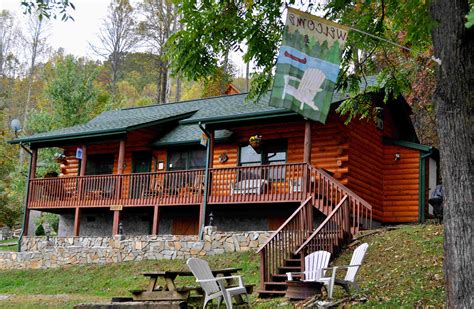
(346, 213)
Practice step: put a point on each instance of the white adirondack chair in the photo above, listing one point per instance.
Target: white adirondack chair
(214, 287)
(309, 86)
(314, 264)
(352, 269)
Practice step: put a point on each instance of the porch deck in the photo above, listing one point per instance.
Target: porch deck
(250, 184)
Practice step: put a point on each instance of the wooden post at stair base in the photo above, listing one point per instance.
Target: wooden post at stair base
(156, 220)
(307, 155)
(307, 142)
(202, 218)
(31, 175)
(115, 225)
(77, 221)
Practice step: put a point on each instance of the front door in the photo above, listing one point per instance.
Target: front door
(141, 163)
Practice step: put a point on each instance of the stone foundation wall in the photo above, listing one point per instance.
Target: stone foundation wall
(39, 252)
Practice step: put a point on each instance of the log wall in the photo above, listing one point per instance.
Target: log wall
(401, 184)
(366, 164)
(390, 186)
(354, 154)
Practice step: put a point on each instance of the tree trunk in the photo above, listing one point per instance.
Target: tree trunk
(31, 75)
(454, 99)
(178, 89)
(164, 82)
(223, 83)
(158, 82)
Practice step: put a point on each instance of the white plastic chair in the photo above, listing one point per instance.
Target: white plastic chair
(314, 264)
(214, 287)
(352, 269)
(309, 86)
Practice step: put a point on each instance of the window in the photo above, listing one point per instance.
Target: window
(100, 164)
(272, 152)
(187, 159)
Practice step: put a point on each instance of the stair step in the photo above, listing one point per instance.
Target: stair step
(275, 286)
(268, 293)
(286, 269)
(292, 262)
(284, 276)
(276, 283)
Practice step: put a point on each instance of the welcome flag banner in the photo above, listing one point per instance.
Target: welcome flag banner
(308, 64)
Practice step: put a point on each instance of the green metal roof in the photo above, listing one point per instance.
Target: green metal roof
(407, 144)
(115, 122)
(220, 108)
(188, 134)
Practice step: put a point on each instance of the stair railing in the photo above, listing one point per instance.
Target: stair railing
(285, 240)
(330, 234)
(329, 192)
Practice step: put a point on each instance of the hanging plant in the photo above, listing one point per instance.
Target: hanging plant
(255, 141)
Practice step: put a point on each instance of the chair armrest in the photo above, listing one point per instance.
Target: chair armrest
(342, 266)
(292, 78)
(217, 279)
(333, 276)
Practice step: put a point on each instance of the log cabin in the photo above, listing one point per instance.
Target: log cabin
(175, 168)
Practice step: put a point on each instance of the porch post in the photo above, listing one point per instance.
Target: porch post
(77, 221)
(34, 160)
(307, 142)
(31, 175)
(211, 148)
(121, 157)
(82, 172)
(120, 164)
(207, 180)
(115, 225)
(156, 220)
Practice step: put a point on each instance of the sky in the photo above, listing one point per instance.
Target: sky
(75, 36)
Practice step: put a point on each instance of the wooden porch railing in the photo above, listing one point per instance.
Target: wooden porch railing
(285, 240)
(255, 184)
(175, 187)
(242, 184)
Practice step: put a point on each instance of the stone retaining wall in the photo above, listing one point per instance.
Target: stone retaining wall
(39, 252)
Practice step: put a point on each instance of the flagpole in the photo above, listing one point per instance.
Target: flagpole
(433, 58)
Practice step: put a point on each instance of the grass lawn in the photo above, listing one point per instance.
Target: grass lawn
(403, 267)
(9, 248)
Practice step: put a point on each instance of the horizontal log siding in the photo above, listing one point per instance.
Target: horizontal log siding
(71, 166)
(329, 144)
(366, 164)
(401, 184)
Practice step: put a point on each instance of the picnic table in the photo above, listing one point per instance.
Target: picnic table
(169, 291)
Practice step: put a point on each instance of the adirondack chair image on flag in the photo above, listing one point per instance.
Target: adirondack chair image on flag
(214, 287)
(314, 264)
(309, 86)
(352, 269)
